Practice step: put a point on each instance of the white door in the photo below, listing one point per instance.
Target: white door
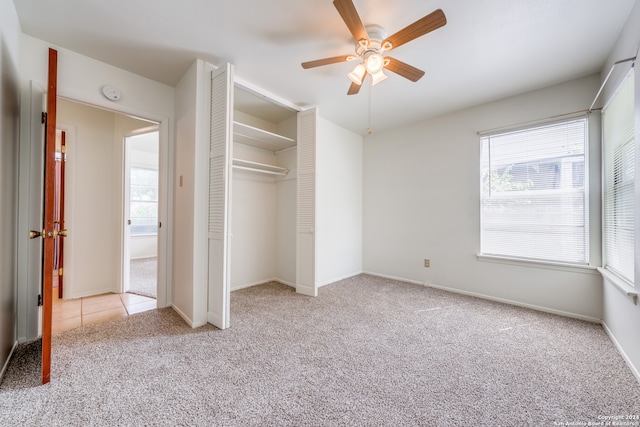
(306, 208)
(220, 155)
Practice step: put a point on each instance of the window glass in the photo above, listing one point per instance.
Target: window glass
(143, 204)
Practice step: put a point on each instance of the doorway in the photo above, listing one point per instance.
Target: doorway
(141, 197)
(95, 203)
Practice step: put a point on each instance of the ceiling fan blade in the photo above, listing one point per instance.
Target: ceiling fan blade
(350, 16)
(405, 70)
(325, 61)
(354, 89)
(432, 21)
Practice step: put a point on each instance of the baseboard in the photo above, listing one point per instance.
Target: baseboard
(400, 279)
(6, 363)
(215, 320)
(187, 318)
(337, 279)
(517, 303)
(310, 291)
(496, 299)
(284, 282)
(93, 293)
(252, 284)
(262, 282)
(626, 358)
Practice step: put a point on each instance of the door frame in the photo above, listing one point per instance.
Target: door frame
(166, 167)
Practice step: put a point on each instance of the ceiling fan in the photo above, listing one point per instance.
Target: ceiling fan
(372, 42)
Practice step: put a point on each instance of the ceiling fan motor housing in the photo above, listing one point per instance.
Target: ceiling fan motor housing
(377, 35)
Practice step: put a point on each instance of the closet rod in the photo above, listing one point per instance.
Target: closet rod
(246, 168)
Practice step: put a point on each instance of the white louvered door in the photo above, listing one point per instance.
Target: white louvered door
(306, 203)
(220, 155)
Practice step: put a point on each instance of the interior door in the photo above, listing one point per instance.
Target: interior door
(306, 208)
(48, 230)
(220, 155)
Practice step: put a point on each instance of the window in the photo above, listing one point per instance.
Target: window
(534, 195)
(618, 186)
(143, 205)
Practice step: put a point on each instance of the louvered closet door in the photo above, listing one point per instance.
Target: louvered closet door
(306, 208)
(220, 195)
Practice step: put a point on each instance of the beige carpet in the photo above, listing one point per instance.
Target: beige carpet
(366, 351)
(144, 277)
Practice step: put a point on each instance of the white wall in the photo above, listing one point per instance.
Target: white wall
(9, 149)
(80, 78)
(143, 247)
(91, 191)
(338, 203)
(253, 221)
(621, 315)
(422, 200)
(190, 208)
(184, 194)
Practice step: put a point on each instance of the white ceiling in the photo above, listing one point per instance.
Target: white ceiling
(489, 49)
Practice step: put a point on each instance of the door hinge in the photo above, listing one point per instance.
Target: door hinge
(63, 149)
(39, 300)
(44, 117)
(60, 272)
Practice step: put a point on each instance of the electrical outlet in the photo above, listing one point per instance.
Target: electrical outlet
(427, 263)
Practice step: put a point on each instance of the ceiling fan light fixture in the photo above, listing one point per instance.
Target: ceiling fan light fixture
(377, 77)
(357, 75)
(374, 63)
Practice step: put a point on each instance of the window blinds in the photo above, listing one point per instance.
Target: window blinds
(619, 172)
(534, 195)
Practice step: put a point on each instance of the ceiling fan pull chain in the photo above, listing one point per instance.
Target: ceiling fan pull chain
(369, 131)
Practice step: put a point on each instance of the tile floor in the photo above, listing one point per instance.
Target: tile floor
(69, 314)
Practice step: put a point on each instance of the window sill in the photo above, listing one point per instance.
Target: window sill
(574, 268)
(619, 284)
(133, 236)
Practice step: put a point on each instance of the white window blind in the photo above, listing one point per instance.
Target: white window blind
(534, 195)
(618, 186)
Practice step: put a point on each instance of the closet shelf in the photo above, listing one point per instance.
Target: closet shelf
(259, 167)
(260, 138)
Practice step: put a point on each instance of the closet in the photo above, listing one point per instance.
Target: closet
(262, 194)
(262, 247)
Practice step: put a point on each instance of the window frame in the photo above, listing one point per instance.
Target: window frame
(614, 274)
(584, 190)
